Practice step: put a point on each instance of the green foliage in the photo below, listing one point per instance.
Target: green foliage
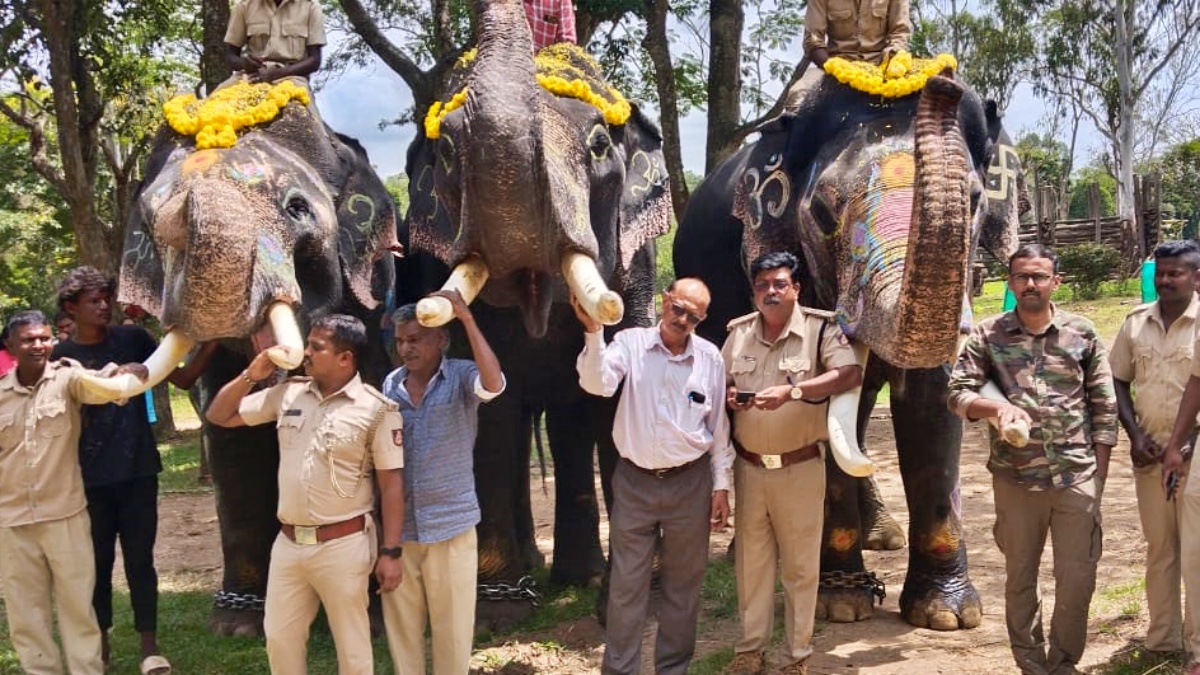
(664, 271)
(397, 187)
(1086, 266)
(1079, 193)
(1180, 170)
(1044, 159)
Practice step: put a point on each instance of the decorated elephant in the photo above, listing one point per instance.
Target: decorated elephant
(536, 177)
(885, 200)
(253, 217)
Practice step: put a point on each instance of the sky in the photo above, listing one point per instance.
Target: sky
(354, 103)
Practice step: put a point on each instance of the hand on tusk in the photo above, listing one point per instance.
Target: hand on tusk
(1013, 426)
(466, 281)
(592, 294)
(288, 358)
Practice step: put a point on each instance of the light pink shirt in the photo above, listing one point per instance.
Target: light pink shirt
(661, 421)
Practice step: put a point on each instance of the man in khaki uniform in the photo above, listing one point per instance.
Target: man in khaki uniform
(45, 533)
(856, 30)
(782, 362)
(280, 38)
(335, 432)
(1152, 355)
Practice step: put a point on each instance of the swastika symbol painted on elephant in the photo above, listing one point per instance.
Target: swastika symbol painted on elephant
(1002, 173)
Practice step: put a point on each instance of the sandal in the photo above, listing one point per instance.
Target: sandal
(155, 664)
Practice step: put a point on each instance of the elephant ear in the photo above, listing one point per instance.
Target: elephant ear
(141, 278)
(429, 224)
(645, 212)
(366, 226)
(764, 191)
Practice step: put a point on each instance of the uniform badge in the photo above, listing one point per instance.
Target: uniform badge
(398, 437)
(751, 359)
(291, 412)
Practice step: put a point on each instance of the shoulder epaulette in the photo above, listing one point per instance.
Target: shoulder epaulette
(745, 318)
(822, 313)
(388, 403)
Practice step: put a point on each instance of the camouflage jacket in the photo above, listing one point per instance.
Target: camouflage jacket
(1061, 378)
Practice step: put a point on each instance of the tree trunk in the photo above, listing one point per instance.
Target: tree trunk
(658, 47)
(1122, 17)
(724, 80)
(213, 68)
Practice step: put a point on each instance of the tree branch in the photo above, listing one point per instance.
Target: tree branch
(390, 54)
(37, 147)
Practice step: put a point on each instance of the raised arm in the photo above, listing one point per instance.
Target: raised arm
(224, 411)
(485, 359)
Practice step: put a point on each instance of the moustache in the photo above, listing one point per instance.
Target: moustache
(772, 300)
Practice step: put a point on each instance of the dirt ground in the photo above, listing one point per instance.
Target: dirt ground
(189, 557)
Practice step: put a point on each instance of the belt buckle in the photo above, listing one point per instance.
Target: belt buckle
(306, 535)
(659, 473)
(772, 461)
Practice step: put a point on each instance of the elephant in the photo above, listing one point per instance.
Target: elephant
(885, 201)
(522, 196)
(245, 245)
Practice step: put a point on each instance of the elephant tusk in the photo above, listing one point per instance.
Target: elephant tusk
(468, 279)
(161, 363)
(288, 351)
(1016, 434)
(595, 297)
(842, 419)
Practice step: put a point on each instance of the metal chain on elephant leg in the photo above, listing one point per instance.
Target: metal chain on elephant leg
(524, 589)
(239, 601)
(864, 580)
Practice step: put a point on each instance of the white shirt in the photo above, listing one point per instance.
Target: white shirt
(672, 410)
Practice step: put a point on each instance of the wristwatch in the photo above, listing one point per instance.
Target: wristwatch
(394, 552)
(796, 393)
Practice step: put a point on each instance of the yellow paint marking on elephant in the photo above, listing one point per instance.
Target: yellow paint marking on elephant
(943, 542)
(900, 76)
(214, 121)
(898, 170)
(564, 70)
(842, 539)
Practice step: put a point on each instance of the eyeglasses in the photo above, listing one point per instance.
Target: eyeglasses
(778, 284)
(1039, 279)
(679, 310)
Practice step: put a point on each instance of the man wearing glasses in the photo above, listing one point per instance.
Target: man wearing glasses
(1054, 373)
(783, 361)
(672, 433)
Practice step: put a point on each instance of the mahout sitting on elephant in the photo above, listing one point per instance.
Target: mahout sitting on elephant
(534, 180)
(885, 200)
(253, 218)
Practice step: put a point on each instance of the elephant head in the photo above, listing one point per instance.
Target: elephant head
(520, 187)
(889, 202)
(222, 241)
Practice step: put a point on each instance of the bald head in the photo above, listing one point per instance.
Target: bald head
(693, 291)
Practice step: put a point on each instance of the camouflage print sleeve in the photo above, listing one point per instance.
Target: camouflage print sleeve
(1102, 400)
(970, 371)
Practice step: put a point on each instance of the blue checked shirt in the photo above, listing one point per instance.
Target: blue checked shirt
(439, 441)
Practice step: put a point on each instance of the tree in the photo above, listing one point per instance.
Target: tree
(1180, 170)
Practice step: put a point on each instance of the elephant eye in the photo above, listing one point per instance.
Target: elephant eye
(298, 208)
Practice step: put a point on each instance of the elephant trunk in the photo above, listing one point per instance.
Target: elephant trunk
(923, 327)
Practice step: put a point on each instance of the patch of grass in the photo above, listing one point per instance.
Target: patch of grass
(181, 407)
(719, 592)
(1137, 660)
(181, 464)
(1117, 299)
(712, 664)
(558, 604)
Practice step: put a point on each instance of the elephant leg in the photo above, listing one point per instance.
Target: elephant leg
(938, 593)
(883, 532)
(843, 597)
(578, 559)
(244, 464)
(526, 529)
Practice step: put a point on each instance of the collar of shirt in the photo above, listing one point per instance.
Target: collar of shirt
(1011, 323)
(657, 343)
(1192, 311)
(795, 326)
(401, 376)
(9, 381)
(352, 389)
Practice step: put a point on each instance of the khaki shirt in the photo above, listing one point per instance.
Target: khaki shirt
(40, 478)
(280, 34)
(326, 459)
(860, 30)
(755, 364)
(1157, 363)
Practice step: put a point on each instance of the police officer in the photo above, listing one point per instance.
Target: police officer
(335, 434)
(782, 361)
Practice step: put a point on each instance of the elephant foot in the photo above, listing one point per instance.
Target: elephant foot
(844, 605)
(943, 610)
(236, 622)
(884, 534)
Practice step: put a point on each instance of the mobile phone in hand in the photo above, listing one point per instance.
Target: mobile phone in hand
(1172, 483)
(743, 396)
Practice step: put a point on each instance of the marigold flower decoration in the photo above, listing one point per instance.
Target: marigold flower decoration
(563, 69)
(215, 121)
(899, 76)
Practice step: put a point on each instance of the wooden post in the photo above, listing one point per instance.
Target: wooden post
(1094, 210)
(1139, 218)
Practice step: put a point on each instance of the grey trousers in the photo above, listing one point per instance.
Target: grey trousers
(678, 506)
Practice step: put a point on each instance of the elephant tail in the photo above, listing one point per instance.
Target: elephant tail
(538, 416)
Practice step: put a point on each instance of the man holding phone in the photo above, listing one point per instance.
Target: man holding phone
(782, 361)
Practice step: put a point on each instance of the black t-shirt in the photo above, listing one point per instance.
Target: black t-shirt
(116, 443)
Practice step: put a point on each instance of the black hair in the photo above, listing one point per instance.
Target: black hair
(29, 317)
(81, 280)
(775, 260)
(1035, 251)
(1186, 250)
(346, 333)
(405, 313)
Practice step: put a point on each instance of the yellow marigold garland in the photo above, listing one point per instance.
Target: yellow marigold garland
(558, 74)
(900, 76)
(215, 120)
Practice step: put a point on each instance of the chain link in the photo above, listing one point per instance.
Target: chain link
(524, 589)
(866, 581)
(238, 601)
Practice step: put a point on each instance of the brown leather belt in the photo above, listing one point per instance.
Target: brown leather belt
(311, 535)
(804, 454)
(663, 473)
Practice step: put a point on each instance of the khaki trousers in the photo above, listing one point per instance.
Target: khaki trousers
(1161, 526)
(1189, 551)
(780, 514)
(301, 579)
(1072, 517)
(439, 584)
(44, 562)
